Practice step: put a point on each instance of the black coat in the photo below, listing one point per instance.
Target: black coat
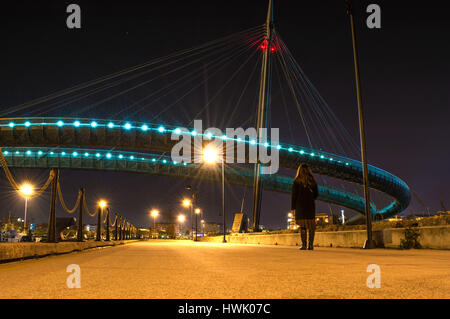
(303, 201)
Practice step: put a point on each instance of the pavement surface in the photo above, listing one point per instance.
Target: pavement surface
(184, 269)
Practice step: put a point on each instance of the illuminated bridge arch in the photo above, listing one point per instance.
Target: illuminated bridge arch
(85, 144)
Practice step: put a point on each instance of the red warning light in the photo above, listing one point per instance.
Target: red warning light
(264, 45)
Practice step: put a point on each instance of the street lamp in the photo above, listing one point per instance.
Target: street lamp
(26, 190)
(211, 157)
(154, 213)
(197, 211)
(181, 218)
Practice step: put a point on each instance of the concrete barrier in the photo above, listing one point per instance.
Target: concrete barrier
(17, 251)
(432, 237)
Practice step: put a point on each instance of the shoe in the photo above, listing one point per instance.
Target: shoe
(302, 248)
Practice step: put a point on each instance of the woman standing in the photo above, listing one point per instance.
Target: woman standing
(304, 194)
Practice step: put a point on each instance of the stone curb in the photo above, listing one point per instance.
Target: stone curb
(18, 251)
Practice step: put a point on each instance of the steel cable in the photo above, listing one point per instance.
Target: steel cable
(14, 183)
(63, 203)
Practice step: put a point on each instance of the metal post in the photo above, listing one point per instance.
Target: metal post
(369, 242)
(99, 224)
(196, 228)
(263, 107)
(224, 240)
(51, 230)
(80, 216)
(192, 215)
(108, 212)
(25, 217)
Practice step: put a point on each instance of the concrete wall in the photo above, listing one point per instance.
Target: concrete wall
(434, 237)
(15, 251)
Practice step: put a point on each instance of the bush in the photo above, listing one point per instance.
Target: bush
(411, 239)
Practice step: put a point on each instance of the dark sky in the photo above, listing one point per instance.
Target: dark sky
(404, 69)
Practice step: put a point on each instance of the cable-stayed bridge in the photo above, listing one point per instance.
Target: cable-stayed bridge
(218, 82)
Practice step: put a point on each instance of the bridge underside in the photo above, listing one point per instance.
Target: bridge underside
(64, 143)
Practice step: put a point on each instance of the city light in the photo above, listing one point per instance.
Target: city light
(197, 211)
(181, 218)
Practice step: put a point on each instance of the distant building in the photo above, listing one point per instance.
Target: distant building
(211, 229)
(165, 230)
(291, 224)
(396, 218)
(322, 219)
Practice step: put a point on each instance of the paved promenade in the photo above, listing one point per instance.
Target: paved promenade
(184, 269)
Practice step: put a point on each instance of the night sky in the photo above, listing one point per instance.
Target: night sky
(404, 72)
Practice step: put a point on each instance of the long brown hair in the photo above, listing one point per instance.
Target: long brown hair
(304, 176)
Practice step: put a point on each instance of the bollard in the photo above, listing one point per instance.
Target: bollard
(80, 217)
(51, 230)
(107, 224)
(122, 226)
(116, 228)
(99, 225)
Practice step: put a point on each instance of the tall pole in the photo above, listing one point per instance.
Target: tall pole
(369, 242)
(263, 107)
(196, 224)
(224, 240)
(25, 217)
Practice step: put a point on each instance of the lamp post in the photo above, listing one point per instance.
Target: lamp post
(181, 218)
(154, 213)
(189, 204)
(26, 190)
(197, 211)
(369, 244)
(211, 156)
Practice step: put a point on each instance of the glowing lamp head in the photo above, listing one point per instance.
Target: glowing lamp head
(154, 212)
(26, 190)
(186, 203)
(102, 204)
(181, 218)
(197, 211)
(210, 155)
